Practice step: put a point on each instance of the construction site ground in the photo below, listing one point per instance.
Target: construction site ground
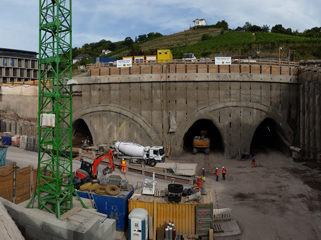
(277, 199)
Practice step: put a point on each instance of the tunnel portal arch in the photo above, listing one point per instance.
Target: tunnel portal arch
(269, 135)
(213, 133)
(80, 133)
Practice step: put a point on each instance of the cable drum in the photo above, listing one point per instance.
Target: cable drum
(112, 190)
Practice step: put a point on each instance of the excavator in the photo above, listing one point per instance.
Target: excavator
(88, 170)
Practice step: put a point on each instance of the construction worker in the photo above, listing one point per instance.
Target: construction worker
(217, 173)
(203, 174)
(253, 161)
(223, 172)
(123, 166)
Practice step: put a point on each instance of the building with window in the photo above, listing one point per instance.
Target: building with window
(199, 22)
(18, 66)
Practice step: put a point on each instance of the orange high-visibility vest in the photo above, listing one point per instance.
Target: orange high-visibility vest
(223, 170)
(217, 172)
(123, 163)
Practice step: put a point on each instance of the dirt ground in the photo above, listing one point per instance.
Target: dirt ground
(271, 201)
(278, 199)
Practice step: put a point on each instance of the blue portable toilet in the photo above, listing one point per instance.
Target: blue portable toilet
(6, 140)
(138, 224)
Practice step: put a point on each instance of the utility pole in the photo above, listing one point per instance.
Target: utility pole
(55, 188)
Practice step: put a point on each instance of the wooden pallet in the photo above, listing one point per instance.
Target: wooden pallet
(217, 228)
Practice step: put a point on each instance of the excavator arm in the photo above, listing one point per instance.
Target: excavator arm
(98, 160)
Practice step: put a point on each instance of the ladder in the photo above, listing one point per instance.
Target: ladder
(91, 197)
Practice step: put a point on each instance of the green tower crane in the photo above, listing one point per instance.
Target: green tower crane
(55, 186)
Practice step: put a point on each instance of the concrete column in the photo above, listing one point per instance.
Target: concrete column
(317, 119)
(307, 120)
(312, 119)
(302, 116)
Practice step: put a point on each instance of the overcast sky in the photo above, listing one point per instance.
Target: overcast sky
(114, 20)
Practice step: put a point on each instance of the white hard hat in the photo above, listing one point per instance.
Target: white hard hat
(216, 168)
(202, 168)
(222, 167)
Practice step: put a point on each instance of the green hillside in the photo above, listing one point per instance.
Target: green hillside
(209, 42)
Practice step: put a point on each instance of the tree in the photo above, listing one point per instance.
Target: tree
(265, 28)
(255, 28)
(222, 24)
(128, 42)
(278, 28)
(246, 26)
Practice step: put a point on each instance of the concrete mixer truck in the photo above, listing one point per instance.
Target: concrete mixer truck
(136, 153)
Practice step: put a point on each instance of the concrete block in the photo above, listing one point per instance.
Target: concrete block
(61, 229)
(107, 228)
(36, 234)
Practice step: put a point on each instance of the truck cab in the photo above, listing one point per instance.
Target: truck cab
(189, 57)
(157, 153)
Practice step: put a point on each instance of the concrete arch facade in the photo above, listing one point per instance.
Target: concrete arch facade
(96, 117)
(235, 141)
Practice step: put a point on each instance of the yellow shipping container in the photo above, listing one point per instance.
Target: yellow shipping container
(164, 56)
(183, 214)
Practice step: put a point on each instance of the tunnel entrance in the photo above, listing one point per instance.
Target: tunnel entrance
(268, 136)
(216, 142)
(81, 133)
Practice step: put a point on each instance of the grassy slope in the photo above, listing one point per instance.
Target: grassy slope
(233, 44)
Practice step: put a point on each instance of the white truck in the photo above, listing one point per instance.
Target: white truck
(136, 153)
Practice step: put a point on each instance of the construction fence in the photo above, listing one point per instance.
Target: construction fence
(17, 184)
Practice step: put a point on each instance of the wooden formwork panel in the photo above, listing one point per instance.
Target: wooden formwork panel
(224, 68)
(114, 71)
(135, 70)
(104, 71)
(212, 68)
(23, 184)
(124, 71)
(235, 68)
(266, 69)
(6, 180)
(156, 69)
(146, 69)
(275, 70)
(245, 68)
(191, 68)
(255, 69)
(95, 72)
(202, 68)
(165, 68)
(172, 68)
(285, 70)
(180, 68)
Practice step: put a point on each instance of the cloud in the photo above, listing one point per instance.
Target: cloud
(115, 20)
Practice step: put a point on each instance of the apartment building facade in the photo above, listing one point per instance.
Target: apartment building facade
(18, 66)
